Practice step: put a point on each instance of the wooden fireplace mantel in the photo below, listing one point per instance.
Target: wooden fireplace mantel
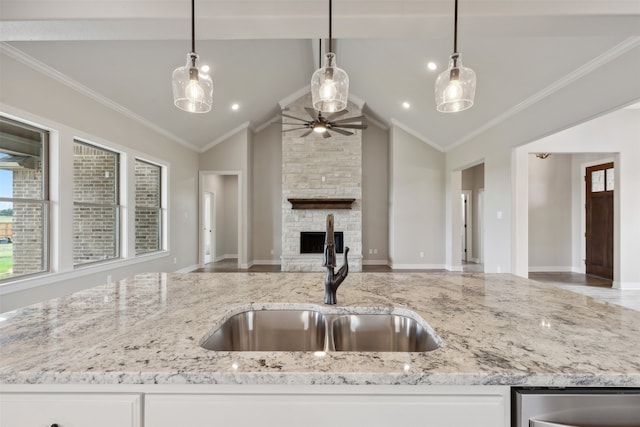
(321, 203)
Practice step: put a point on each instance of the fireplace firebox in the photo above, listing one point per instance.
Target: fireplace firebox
(312, 242)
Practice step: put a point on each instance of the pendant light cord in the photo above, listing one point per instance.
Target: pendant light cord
(193, 26)
(455, 28)
(330, 40)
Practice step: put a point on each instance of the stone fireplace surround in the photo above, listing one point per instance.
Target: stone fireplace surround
(320, 168)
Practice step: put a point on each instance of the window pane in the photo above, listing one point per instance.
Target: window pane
(22, 239)
(95, 175)
(148, 230)
(23, 199)
(21, 154)
(148, 207)
(610, 179)
(95, 233)
(597, 181)
(95, 212)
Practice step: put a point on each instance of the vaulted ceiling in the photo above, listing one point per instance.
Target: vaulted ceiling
(122, 53)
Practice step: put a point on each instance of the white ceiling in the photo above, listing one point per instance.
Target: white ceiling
(261, 52)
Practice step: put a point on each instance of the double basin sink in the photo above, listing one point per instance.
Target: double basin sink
(313, 330)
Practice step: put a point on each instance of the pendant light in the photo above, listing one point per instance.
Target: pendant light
(192, 88)
(455, 87)
(329, 84)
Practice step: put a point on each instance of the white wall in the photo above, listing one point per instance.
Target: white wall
(27, 94)
(267, 195)
(375, 193)
(416, 197)
(550, 213)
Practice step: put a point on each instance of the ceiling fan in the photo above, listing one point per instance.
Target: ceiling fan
(324, 125)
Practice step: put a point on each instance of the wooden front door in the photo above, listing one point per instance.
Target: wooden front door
(599, 216)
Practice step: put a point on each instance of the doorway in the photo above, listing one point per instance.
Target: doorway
(220, 218)
(599, 183)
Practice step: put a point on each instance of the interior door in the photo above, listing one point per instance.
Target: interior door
(467, 225)
(599, 220)
(207, 230)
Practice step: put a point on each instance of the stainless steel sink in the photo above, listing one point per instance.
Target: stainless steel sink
(381, 332)
(270, 330)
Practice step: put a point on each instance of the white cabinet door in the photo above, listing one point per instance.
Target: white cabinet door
(308, 410)
(70, 410)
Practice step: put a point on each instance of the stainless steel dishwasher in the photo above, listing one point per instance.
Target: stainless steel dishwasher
(576, 407)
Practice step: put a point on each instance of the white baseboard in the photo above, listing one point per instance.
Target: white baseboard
(417, 266)
(551, 269)
(452, 267)
(225, 256)
(625, 286)
(266, 262)
(189, 269)
(375, 262)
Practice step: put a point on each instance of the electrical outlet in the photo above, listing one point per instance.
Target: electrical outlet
(370, 251)
(375, 251)
(109, 279)
(421, 254)
(175, 260)
(498, 269)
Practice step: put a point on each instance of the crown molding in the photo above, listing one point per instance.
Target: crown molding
(227, 135)
(54, 74)
(418, 135)
(578, 73)
(266, 124)
(295, 95)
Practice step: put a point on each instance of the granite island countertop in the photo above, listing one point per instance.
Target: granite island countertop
(497, 329)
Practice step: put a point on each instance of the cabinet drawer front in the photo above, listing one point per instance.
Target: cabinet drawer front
(286, 410)
(70, 410)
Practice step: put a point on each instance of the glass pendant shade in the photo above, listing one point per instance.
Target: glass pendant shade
(192, 89)
(329, 86)
(455, 87)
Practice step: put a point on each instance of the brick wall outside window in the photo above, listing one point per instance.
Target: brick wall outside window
(95, 228)
(148, 207)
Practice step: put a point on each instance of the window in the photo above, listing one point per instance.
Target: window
(148, 207)
(96, 207)
(24, 199)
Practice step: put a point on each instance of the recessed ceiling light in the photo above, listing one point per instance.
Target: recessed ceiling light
(235, 107)
(406, 105)
(432, 66)
(204, 68)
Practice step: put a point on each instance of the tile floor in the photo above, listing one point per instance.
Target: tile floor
(592, 286)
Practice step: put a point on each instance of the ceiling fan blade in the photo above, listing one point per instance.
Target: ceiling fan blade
(311, 112)
(293, 117)
(340, 131)
(362, 126)
(350, 119)
(326, 134)
(289, 130)
(337, 114)
(306, 133)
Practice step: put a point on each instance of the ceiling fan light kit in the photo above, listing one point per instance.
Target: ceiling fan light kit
(192, 89)
(455, 87)
(329, 84)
